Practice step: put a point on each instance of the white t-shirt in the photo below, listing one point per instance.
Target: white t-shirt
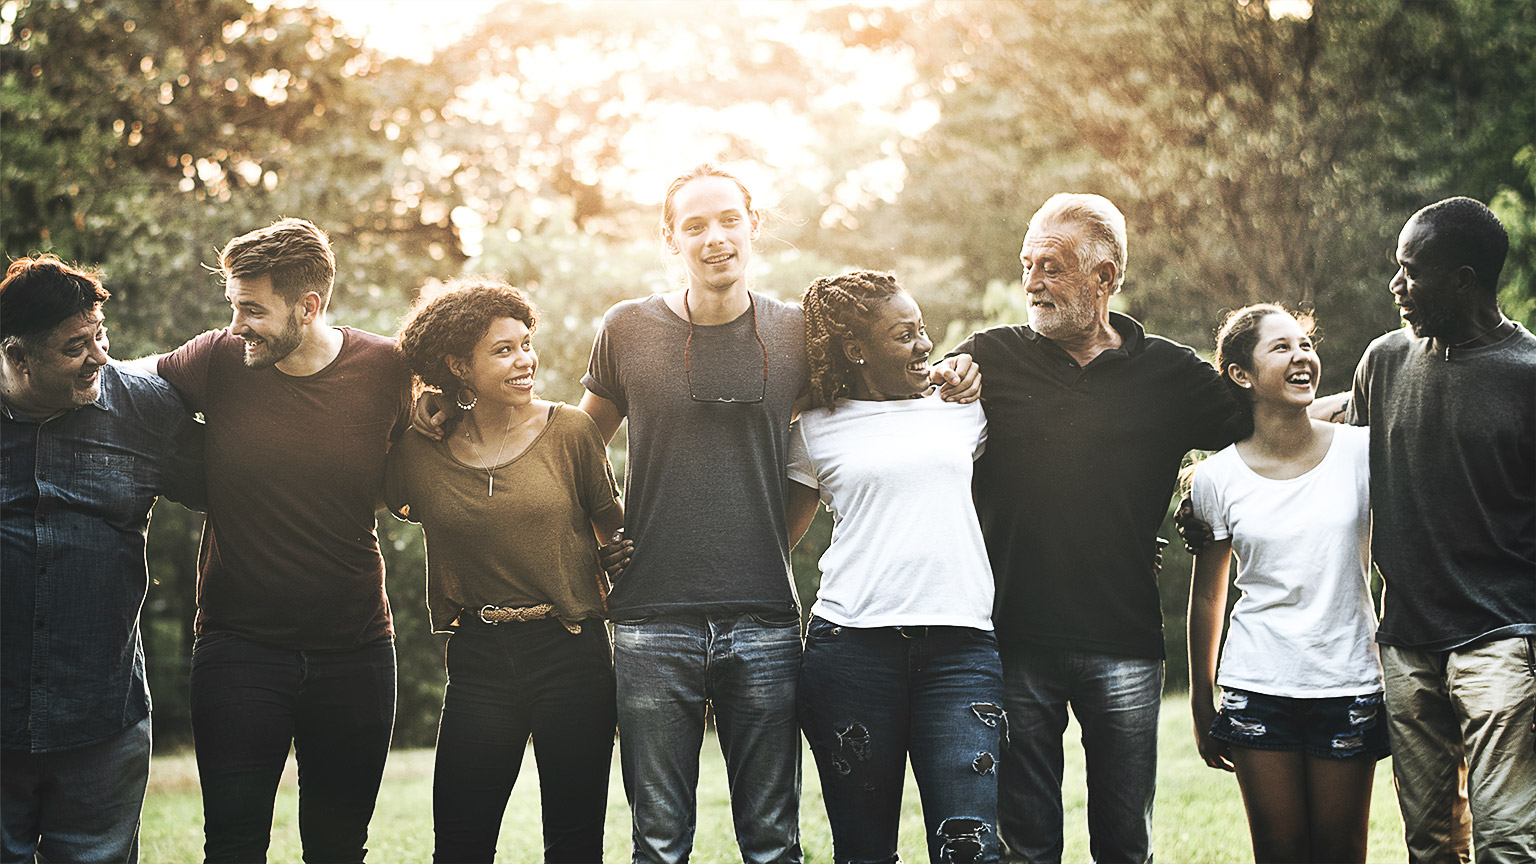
(1303, 626)
(906, 544)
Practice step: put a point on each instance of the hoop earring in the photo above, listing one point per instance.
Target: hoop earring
(459, 400)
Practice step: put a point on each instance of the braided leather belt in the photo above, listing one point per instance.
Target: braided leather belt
(508, 614)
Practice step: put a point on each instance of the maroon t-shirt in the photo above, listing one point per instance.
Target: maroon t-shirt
(295, 474)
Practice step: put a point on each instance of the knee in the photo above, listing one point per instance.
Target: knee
(965, 839)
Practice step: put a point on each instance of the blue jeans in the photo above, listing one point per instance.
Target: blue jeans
(81, 804)
(507, 682)
(1116, 700)
(745, 668)
(250, 702)
(871, 696)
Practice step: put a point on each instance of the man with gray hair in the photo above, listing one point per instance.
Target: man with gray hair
(1089, 417)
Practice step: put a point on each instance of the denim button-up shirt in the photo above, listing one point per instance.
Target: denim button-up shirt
(77, 491)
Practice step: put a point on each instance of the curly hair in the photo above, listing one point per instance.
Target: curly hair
(1238, 337)
(451, 321)
(838, 308)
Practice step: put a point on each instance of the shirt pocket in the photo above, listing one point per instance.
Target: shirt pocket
(106, 482)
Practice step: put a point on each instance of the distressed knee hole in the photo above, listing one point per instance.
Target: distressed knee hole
(993, 716)
(852, 740)
(962, 836)
(984, 763)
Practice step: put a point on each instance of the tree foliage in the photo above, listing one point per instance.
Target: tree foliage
(1255, 158)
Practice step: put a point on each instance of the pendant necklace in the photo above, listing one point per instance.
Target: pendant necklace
(490, 478)
(1498, 326)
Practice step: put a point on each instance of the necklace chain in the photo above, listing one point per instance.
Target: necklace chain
(1494, 328)
(490, 478)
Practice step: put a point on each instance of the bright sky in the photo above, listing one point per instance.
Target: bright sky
(409, 28)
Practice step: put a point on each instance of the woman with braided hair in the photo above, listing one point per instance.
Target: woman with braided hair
(900, 660)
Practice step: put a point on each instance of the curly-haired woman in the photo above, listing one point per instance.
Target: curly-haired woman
(510, 502)
(900, 659)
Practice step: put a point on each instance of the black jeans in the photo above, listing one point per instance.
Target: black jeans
(505, 683)
(249, 702)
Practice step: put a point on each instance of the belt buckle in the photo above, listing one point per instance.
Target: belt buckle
(915, 632)
(484, 609)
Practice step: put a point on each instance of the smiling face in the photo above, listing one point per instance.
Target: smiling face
(1284, 367)
(894, 346)
(272, 329)
(712, 231)
(1063, 300)
(65, 370)
(1425, 287)
(501, 367)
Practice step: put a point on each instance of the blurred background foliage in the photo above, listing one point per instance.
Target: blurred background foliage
(1260, 151)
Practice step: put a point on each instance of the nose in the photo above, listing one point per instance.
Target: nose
(98, 352)
(924, 344)
(1399, 284)
(1034, 280)
(713, 234)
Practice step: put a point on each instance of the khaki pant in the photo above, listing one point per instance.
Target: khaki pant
(1460, 724)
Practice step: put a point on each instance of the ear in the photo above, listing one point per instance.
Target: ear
(16, 357)
(756, 218)
(1466, 279)
(1239, 376)
(853, 352)
(1104, 277)
(457, 366)
(669, 241)
(310, 304)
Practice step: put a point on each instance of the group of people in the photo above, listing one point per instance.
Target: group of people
(992, 566)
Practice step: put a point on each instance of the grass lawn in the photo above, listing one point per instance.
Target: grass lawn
(1199, 812)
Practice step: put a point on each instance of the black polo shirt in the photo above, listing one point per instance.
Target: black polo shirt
(1081, 463)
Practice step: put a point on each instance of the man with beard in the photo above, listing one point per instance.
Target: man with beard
(1451, 403)
(86, 448)
(1089, 417)
(294, 639)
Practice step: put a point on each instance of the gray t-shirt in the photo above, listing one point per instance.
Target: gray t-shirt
(705, 481)
(1453, 487)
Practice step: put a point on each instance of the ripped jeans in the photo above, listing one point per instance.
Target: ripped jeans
(869, 698)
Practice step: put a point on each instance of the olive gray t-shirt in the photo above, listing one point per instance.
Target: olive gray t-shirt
(1453, 487)
(705, 480)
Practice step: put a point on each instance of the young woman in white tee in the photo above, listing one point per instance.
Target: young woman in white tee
(900, 660)
(1301, 718)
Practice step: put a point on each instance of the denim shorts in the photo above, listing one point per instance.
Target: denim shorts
(1338, 727)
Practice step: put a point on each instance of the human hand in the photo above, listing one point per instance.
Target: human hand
(431, 415)
(958, 378)
(615, 555)
(1194, 531)
(1216, 754)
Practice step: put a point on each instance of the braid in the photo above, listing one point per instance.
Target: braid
(836, 307)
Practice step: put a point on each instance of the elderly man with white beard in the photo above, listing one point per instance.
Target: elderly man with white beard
(1089, 417)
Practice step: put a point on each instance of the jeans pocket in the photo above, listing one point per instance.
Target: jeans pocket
(776, 619)
(822, 630)
(632, 622)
